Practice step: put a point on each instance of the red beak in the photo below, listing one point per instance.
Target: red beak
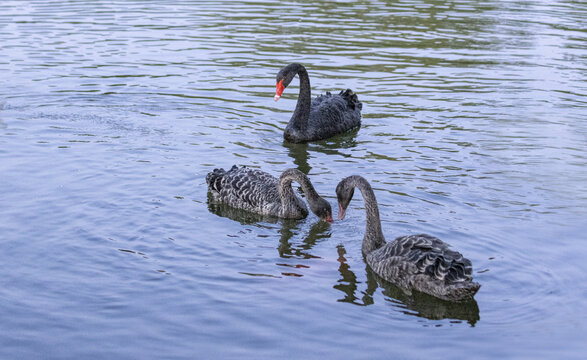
(278, 90)
(329, 219)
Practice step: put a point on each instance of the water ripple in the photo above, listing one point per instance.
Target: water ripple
(112, 113)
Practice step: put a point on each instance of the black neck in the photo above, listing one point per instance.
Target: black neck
(299, 120)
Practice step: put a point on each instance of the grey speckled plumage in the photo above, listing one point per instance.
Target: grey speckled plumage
(420, 262)
(321, 118)
(262, 193)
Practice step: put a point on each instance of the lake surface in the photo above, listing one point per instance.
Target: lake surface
(112, 112)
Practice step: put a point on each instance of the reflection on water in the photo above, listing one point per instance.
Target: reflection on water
(318, 232)
(426, 306)
(300, 153)
(410, 303)
(348, 282)
(287, 229)
(300, 156)
(242, 216)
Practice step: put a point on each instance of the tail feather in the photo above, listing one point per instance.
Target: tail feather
(463, 291)
(351, 99)
(214, 179)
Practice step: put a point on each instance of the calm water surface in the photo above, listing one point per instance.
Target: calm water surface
(112, 112)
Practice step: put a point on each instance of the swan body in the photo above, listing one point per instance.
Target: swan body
(420, 262)
(262, 193)
(321, 118)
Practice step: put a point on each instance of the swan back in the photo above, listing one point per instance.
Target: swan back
(425, 263)
(333, 114)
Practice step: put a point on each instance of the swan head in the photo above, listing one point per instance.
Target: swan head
(344, 194)
(322, 209)
(284, 78)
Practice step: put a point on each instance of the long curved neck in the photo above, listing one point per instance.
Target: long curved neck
(299, 119)
(374, 238)
(286, 192)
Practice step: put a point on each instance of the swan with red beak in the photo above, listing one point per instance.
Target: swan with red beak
(323, 117)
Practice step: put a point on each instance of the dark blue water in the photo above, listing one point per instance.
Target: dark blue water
(112, 112)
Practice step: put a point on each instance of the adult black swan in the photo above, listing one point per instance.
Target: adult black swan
(419, 262)
(262, 193)
(321, 118)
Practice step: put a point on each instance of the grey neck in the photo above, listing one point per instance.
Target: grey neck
(286, 192)
(374, 238)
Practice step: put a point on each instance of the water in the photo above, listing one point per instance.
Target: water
(112, 112)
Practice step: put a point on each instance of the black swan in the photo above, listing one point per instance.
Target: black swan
(321, 118)
(262, 193)
(419, 262)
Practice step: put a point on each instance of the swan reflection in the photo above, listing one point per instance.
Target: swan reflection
(288, 230)
(300, 153)
(320, 230)
(348, 283)
(244, 217)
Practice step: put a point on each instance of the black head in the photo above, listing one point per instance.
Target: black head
(344, 194)
(284, 78)
(322, 209)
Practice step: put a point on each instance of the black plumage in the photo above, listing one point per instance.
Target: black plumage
(322, 117)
